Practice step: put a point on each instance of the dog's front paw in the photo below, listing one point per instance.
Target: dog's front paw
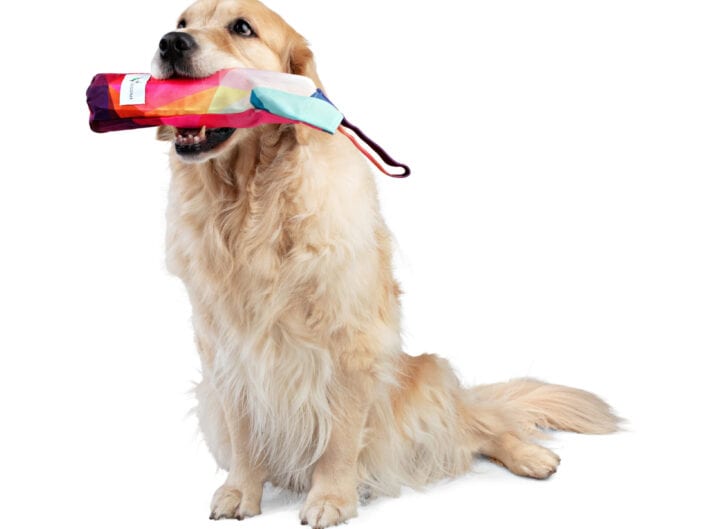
(326, 510)
(229, 502)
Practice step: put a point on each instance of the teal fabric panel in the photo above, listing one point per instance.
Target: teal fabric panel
(313, 111)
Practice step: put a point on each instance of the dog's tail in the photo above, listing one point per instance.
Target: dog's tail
(530, 404)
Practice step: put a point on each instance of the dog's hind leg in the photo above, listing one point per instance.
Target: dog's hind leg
(521, 457)
(509, 414)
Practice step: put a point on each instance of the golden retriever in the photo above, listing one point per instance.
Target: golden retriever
(277, 234)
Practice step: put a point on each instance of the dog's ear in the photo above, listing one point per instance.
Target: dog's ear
(300, 60)
(165, 133)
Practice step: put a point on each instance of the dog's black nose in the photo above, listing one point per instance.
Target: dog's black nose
(176, 45)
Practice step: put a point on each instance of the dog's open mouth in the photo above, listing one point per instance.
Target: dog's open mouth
(196, 141)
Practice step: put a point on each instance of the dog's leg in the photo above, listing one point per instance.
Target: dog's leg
(241, 494)
(517, 407)
(520, 457)
(333, 495)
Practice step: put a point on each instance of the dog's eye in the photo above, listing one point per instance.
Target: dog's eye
(241, 27)
(181, 24)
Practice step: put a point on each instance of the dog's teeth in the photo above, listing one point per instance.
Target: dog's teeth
(184, 140)
(189, 138)
(201, 136)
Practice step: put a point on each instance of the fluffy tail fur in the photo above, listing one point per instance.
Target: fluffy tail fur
(532, 403)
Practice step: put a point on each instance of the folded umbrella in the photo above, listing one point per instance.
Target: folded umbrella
(234, 98)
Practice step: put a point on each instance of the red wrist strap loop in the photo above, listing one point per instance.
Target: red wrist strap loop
(391, 162)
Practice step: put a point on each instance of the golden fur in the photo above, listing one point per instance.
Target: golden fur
(278, 237)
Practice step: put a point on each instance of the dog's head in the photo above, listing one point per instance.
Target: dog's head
(212, 35)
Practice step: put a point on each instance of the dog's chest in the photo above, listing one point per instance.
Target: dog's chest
(249, 306)
(226, 251)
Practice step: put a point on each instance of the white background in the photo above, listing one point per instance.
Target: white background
(553, 226)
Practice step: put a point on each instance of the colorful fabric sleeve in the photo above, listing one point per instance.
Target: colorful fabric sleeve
(238, 98)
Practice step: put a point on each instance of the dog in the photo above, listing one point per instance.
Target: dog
(277, 235)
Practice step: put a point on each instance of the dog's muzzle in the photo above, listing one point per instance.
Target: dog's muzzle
(176, 50)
